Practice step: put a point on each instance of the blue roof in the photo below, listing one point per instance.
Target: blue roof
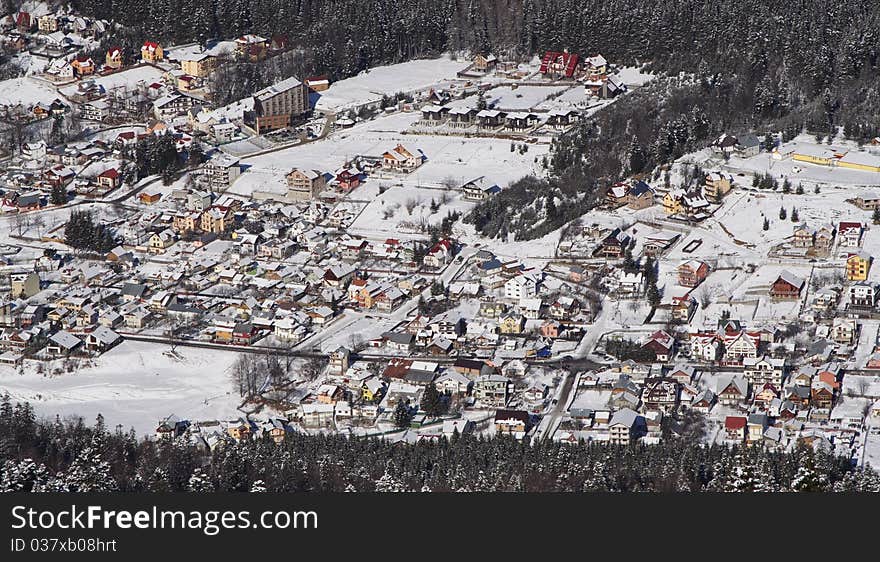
(639, 188)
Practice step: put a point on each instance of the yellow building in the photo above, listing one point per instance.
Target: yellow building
(113, 58)
(857, 266)
(860, 161)
(672, 202)
(814, 154)
(199, 65)
(217, 219)
(717, 185)
(511, 324)
(152, 52)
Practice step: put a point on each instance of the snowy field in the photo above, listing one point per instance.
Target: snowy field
(447, 157)
(129, 79)
(133, 385)
(508, 98)
(371, 85)
(26, 91)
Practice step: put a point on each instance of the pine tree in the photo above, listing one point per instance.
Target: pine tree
(432, 402)
(782, 213)
(402, 415)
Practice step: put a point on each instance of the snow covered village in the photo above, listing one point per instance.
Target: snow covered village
(210, 259)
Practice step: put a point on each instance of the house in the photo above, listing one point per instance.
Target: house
(303, 185)
(559, 64)
(101, 339)
(661, 395)
(113, 58)
(857, 266)
(198, 65)
(348, 178)
(439, 255)
(849, 234)
(520, 287)
(479, 189)
(243, 333)
(803, 236)
(152, 52)
(511, 422)
(640, 196)
(732, 390)
(682, 374)
(862, 295)
(402, 159)
(843, 330)
(339, 362)
(109, 179)
(703, 401)
(217, 219)
(764, 370)
(491, 390)
(787, 286)
(821, 395)
(716, 185)
(220, 172)
(490, 118)
(453, 382)
(662, 344)
(63, 343)
(24, 285)
(47, 23)
(83, 66)
(615, 244)
(735, 428)
(725, 144)
(692, 272)
(171, 428)
(562, 118)
(484, 62)
(160, 241)
(626, 426)
(748, 145)
(317, 414)
(672, 202)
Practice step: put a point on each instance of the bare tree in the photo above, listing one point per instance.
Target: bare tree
(705, 295)
(411, 204)
(244, 374)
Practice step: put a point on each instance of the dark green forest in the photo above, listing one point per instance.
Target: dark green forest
(69, 455)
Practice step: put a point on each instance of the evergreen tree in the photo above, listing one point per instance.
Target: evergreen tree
(402, 414)
(432, 402)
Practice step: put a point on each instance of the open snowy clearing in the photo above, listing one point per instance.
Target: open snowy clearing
(133, 385)
(26, 91)
(369, 86)
(447, 157)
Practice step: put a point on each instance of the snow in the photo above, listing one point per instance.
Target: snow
(133, 385)
(26, 91)
(370, 85)
(447, 157)
(128, 78)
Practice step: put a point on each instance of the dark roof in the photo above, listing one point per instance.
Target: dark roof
(134, 289)
(520, 415)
